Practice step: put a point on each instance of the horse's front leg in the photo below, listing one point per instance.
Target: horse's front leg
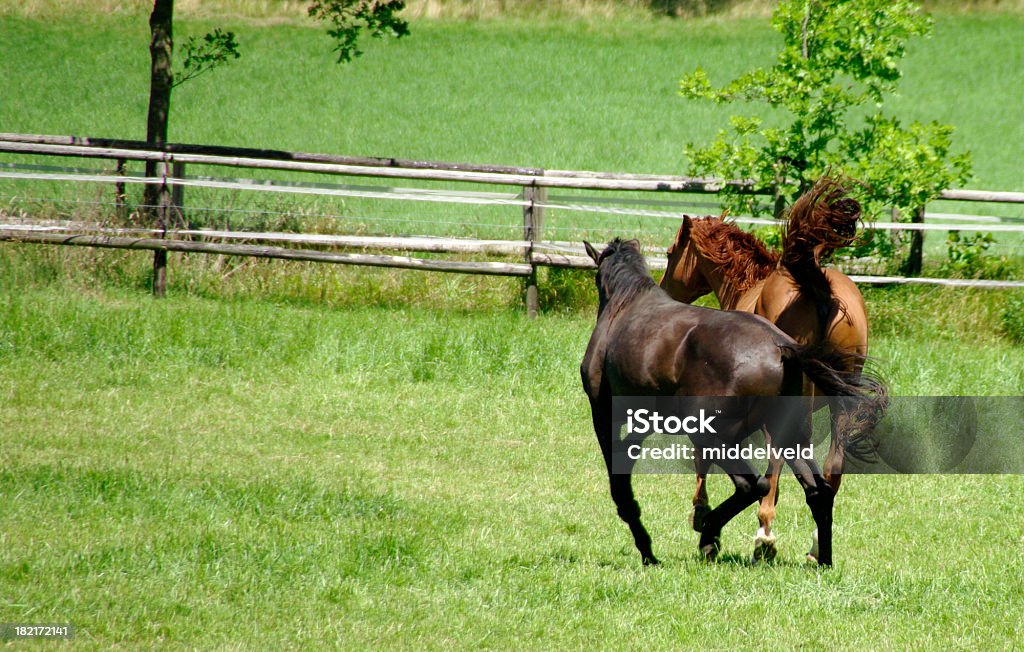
(701, 504)
(749, 487)
(621, 484)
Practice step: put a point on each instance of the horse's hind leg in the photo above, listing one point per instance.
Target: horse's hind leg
(749, 487)
(622, 484)
(820, 498)
(764, 540)
(833, 465)
(701, 505)
(839, 415)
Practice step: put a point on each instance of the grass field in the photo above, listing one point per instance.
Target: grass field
(293, 456)
(583, 94)
(557, 94)
(254, 473)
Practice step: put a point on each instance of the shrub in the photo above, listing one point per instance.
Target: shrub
(1013, 320)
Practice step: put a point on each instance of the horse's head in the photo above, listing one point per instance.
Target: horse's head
(621, 271)
(683, 279)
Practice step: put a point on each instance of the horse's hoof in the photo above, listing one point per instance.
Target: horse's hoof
(700, 512)
(812, 554)
(764, 547)
(650, 560)
(709, 551)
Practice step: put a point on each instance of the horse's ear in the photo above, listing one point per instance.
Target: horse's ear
(684, 230)
(634, 243)
(593, 253)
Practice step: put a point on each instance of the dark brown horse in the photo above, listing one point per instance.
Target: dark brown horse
(647, 344)
(808, 303)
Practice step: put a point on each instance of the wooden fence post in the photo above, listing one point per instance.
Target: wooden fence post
(120, 195)
(533, 220)
(161, 209)
(779, 208)
(178, 196)
(912, 265)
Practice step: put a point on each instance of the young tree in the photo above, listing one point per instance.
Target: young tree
(347, 20)
(838, 58)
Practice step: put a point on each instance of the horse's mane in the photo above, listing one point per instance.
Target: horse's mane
(743, 259)
(821, 220)
(623, 273)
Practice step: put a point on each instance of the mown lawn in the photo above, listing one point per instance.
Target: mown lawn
(267, 473)
(292, 456)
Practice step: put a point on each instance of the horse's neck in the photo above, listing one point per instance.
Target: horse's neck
(729, 296)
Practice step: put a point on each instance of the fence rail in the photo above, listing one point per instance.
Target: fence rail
(532, 198)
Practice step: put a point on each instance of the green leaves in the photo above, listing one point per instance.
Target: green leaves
(838, 56)
(215, 48)
(906, 166)
(348, 18)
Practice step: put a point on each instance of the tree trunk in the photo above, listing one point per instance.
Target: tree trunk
(157, 196)
(912, 265)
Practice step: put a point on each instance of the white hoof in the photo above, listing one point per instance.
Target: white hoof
(764, 546)
(812, 554)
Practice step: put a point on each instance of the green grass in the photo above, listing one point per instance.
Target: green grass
(587, 95)
(584, 93)
(286, 455)
(203, 472)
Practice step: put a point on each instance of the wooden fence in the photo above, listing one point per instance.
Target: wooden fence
(532, 186)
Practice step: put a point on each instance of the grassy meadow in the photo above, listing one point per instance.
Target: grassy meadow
(571, 94)
(276, 472)
(580, 93)
(294, 456)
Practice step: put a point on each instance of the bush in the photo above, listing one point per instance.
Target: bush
(966, 258)
(1013, 320)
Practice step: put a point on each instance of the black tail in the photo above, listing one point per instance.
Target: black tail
(838, 373)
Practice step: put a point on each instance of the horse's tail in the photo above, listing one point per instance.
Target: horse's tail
(838, 373)
(821, 220)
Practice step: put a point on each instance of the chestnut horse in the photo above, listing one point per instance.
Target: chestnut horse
(812, 305)
(647, 344)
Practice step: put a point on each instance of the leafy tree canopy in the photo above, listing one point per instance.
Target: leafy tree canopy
(839, 59)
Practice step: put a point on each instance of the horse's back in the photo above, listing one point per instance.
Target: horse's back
(782, 303)
(660, 346)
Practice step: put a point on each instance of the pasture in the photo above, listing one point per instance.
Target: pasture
(580, 94)
(281, 455)
(261, 473)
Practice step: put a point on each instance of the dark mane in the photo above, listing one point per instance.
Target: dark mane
(623, 273)
(743, 259)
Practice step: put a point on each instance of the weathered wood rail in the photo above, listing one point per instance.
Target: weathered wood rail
(533, 185)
